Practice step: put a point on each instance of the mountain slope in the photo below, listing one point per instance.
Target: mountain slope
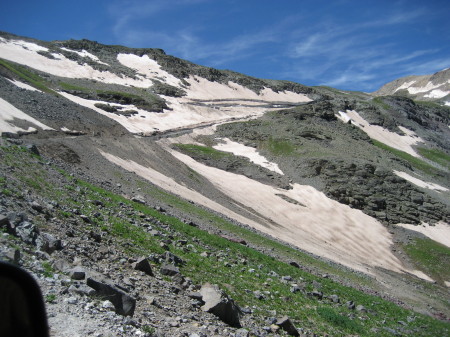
(337, 174)
(435, 87)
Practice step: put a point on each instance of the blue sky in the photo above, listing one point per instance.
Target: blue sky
(354, 45)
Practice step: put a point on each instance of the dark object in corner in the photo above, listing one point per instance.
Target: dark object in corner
(22, 307)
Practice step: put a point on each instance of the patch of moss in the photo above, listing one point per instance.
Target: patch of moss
(27, 75)
(435, 155)
(414, 161)
(431, 257)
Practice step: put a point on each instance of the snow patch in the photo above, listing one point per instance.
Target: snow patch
(245, 151)
(437, 93)
(26, 53)
(439, 232)
(343, 116)
(430, 86)
(420, 183)
(203, 89)
(85, 53)
(405, 85)
(400, 142)
(9, 112)
(23, 85)
(147, 67)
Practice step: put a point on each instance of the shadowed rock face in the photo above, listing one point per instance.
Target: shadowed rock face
(219, 304)
(123, 303)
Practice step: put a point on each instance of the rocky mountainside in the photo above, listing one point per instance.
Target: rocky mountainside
(212, 203)
(435, 87)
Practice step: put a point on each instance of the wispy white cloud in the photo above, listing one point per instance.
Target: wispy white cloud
(360, 53)
(322, 50)
(186, 42)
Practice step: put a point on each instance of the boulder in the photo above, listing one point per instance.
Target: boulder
(124, 304)
(139, 199)
(143, 264)
(171, 258)
(169, 270)
(219, 304)
(33, 149)
(27, 232)
(77, 273)
(48, 243)
(286, 324)
(232, 239)
(294, 264)
(11, 255)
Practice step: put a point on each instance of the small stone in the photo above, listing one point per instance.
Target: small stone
(72, 300)
(334, 298)
(317, 294)
(242, 333)
(294, 264)
(361, 308)
(77, 273)
(169, 269)
(108, 305)
(139, 199)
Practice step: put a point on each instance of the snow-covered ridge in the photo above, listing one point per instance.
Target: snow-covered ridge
(26, 53)
(434, 86)
(183, 112)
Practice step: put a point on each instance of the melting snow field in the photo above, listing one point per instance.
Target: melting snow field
(420, 183)
(23, 85)
(401, 142)
(8, 113)
(319, 225)
(439, 232)
(245, 151)
(26, 53)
